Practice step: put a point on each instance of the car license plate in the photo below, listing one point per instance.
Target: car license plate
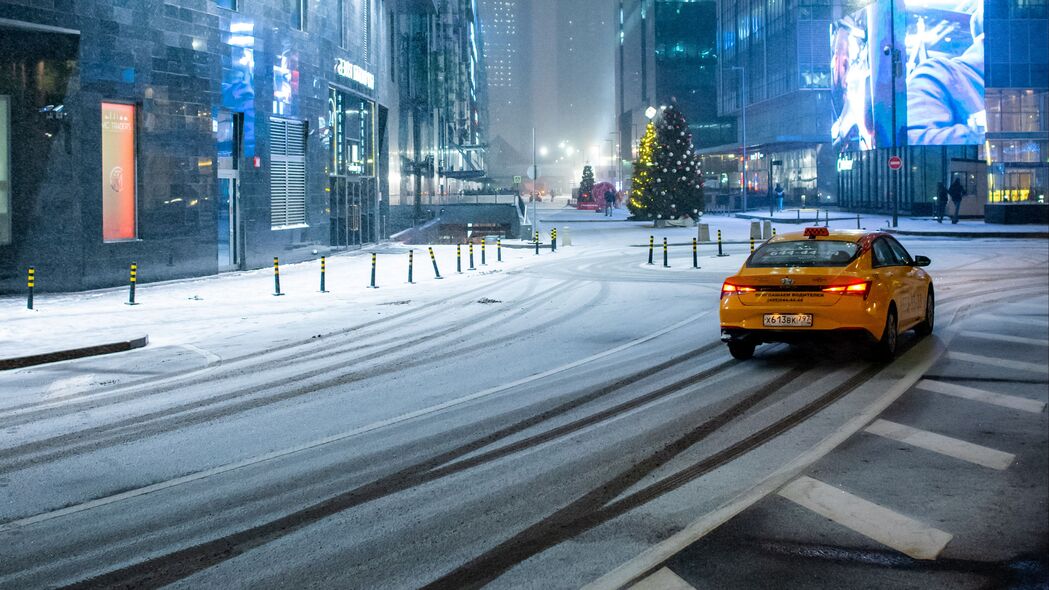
(788, 320)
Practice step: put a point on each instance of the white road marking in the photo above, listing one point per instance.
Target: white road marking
(45, 516)
(1015, 320)
(212, 358)
(663, 579)
(997, 362)
(892, 529)
(61, 386)
(982, 395)
(1005, 338)
(944, 445)
(658, 554)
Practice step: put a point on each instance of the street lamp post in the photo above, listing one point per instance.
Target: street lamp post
(743, 124)
(535, 181)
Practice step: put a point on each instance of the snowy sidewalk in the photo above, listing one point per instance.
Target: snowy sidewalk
(241, 307)
(917, 226)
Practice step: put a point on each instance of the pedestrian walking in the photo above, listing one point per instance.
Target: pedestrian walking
(610, 202)
(779, 197)
(941, 201)
(957, 193)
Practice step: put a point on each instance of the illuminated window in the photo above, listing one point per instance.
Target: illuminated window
(228, 4)
(119, 177)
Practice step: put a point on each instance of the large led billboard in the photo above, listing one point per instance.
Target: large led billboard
(939, 74)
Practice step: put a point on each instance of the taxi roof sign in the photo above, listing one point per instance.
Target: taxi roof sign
(812, 232)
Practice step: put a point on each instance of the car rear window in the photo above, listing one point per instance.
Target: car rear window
(803, 253)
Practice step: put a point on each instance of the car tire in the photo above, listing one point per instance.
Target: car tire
(926, 325)
(885, 348)
(741, 350)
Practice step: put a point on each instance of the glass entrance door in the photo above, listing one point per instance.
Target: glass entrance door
(352, 206)
(227, 206)
(226, 213)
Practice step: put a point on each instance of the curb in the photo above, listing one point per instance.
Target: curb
(947, 234)
(74, 353)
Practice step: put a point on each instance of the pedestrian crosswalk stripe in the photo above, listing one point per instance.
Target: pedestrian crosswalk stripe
(663, 579)
(1005, 338)
(892, 529)
(944, 445)
(981, 395)
(998, 362)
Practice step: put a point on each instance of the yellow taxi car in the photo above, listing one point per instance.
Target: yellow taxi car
(820, 282)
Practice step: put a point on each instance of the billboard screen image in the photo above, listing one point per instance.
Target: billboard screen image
(939, 82)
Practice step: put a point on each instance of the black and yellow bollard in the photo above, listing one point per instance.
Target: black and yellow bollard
(651, 246)
(459, 258)
(373, 286)
(276, 277)
(720, 251)
(499, 249)
(553, 240)
(433, 259)
(323, 272)
(537, 243)
(666, 261)
(471, 256)
(695, 253)
(132, 279)
(411, 264)
(31, 282)
(484, 257)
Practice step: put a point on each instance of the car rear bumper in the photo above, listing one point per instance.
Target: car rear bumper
(849, 316)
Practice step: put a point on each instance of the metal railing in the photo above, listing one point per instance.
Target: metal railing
(455, 199)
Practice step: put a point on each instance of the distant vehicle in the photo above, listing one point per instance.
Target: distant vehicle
(822, 282)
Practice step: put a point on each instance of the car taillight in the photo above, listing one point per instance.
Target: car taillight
(853, 289)
(730, 289)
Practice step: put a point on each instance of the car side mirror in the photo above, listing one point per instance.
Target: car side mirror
(922, 261)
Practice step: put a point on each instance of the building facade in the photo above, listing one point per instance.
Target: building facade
(198, 136)
(776, 58)
(668, 53)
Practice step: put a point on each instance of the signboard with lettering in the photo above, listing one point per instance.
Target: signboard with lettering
(355, 72)
(118, 171)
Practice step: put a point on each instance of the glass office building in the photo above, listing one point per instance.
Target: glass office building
(197, 137)
(819, 93)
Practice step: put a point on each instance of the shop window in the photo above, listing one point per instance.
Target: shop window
(119, 178)
(5, 170)
(287, 173)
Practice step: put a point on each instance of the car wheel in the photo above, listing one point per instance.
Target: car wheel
(741, 350)
(885, 349)
(925, 327)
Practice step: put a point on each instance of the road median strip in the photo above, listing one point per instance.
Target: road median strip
(73, 353)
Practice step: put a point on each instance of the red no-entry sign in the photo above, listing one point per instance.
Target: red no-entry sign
(895, 163)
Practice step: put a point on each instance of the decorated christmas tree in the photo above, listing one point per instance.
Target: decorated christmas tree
(667, 180)
(586, 185)
(640, 201)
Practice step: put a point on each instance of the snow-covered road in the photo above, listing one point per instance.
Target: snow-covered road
(534, 424)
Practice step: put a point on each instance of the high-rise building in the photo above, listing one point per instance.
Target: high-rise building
(507, 40)
(667, 53)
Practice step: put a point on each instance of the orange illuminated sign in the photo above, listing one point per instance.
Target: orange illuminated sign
(118, 172)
